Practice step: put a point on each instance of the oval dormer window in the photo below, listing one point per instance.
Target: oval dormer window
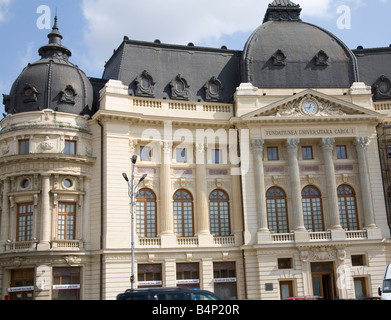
(180, 86)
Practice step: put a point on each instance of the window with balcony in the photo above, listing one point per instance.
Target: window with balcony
(146, 213)
(66, 221)
(219, 213)
(183, 214)
(25, 222)
(312, 209)
(347, 208)
(277, 211)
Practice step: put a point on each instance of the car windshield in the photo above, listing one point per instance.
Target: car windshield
(387, 286)
(203, 296)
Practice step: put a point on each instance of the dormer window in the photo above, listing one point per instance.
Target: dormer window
(213, 90)
(29, 93)
(322, 59)
(382, 88)
(145, 85)
(179, 88)
(68, 95)
(279, 58)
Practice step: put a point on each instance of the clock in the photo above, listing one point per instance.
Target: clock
(310, 107)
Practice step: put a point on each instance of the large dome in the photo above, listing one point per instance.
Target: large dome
(285, 52)
(51, 83)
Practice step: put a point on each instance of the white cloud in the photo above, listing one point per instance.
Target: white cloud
(4, 4)
(202, 22)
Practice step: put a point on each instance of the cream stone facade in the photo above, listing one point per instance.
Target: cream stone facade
(253, 191)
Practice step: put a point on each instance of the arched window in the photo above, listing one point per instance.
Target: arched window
(219, 213)
(146, 213)
(276, 210)
(312, 209)
(183, 214)
(347, 208)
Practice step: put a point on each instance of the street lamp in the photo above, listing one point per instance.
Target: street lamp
(131, 193)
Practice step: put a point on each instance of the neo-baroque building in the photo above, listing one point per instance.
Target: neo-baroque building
(265, 172)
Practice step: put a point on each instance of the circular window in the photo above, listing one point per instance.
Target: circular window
(25, 183)
(69, 93)
(28, 92)
(67, 183)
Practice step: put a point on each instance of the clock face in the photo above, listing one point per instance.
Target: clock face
(310, 107)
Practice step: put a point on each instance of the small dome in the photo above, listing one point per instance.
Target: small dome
(51, 83)
(285, 52)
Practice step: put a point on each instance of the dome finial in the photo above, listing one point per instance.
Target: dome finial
(283, 10)
(55, 36)
(55, 44)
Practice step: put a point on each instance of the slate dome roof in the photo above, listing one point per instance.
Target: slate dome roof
(285, 52)
(51, 83)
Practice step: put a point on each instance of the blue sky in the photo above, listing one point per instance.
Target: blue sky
(92, 29)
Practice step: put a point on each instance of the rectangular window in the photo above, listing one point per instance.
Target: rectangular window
(66, 283)
(24, 147)
(216, 156)
(70, 147)
(341, 152)
(149, 275)
(389, 151)
(224, 274)
(284, 263)
(358, 260)
(272, 153)
(25, 222)
(307, 153)
(145, 153)
(187, 275)
(66, 221)
(181, 155)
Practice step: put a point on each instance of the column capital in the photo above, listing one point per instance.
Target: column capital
(361, 143)
(257, 145)
(200, 147)
(292, 144)
(166, 147)
(327, 144)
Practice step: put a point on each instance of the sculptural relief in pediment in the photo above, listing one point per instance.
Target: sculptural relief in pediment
(309, 106)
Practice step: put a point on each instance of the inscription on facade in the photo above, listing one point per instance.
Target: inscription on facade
(310, 132)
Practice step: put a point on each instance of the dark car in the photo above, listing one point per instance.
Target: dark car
(305, 298)
(175, 293)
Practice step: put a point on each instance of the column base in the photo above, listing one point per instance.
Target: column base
(264, 236)
(43, 246)
(374, 233)
(205, 240)
(338, 234)
(301, 235)
(168, 240)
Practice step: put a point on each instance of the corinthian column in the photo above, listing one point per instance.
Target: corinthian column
(260, 192)
(327, 145)
(166, 211)
(292, 146)
(44, 243)
(203, 227)
(5, 213)
(361, 144)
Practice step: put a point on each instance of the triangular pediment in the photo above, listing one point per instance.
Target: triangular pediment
(310, 104)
